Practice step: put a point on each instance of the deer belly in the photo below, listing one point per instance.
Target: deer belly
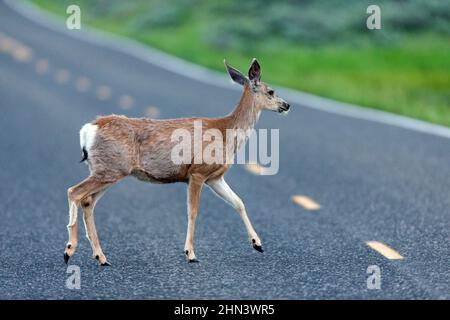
(155, 174)
(144, 176)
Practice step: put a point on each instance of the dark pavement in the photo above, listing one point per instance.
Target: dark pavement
(373, 182)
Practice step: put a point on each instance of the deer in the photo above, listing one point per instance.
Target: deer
(115, 146)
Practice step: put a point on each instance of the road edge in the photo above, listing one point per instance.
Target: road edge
(202, 74)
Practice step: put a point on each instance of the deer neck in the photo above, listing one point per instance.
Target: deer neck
(246, 114)
(244, 117)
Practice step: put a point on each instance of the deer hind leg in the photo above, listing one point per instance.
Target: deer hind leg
(72, 228)
(88, 205)
(75, 194)
(193, 201)
(223, 190)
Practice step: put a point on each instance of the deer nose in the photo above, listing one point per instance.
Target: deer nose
(284, 107)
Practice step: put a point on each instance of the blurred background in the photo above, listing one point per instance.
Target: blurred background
(321, 47)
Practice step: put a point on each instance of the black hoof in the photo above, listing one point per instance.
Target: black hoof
(66, 258)
(258, 248)
(106, 264)
(193, 261)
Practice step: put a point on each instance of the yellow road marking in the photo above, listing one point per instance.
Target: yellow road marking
(62, 76)
(82, 84)
(254, 168)
(6, 43)
(2, 39)
(18, 50)
(384, 250)
(126, 102)
(305, 202)
(151, 112)
(42, 66)
(22, 53)
(103, 92)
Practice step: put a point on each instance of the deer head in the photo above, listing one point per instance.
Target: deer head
(264, 96)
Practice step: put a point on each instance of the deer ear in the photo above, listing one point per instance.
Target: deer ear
(235, 74)
(254, 73)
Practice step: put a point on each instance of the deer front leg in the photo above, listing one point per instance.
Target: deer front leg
(193, 201)
(223, 190)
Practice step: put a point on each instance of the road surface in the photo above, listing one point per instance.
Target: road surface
(373, 182)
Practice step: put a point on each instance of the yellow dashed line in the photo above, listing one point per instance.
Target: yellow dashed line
(62, 76)
(19, 51)
(103, 92)
(6, 43)
(42, 66)
(152, 112)
(384, 250)
(126, 102)
(83, 84)
(305, 202)
(22, 54)
(254, 168)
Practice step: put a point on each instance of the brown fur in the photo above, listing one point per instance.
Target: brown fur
(142, 147)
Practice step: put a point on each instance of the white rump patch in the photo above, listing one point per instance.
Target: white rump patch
(87, 136)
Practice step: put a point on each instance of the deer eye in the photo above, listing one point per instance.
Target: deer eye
(270, 92)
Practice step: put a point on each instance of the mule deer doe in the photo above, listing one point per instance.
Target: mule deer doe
(117, 146)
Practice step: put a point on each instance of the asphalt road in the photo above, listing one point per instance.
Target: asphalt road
(374, 182)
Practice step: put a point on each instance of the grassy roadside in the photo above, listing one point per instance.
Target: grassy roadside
(410, 77)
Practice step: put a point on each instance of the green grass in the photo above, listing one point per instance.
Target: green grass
(409, 77)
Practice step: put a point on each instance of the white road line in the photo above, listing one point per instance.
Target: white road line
(306, 202)
(384, 250)
(204, 75)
